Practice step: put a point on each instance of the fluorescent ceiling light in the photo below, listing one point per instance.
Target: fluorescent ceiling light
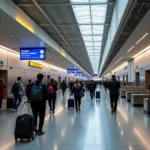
(142, 38)
(130, 49)
(144, 50)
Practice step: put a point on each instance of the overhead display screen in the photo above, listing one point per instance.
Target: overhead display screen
(32, 53)
(71, 71)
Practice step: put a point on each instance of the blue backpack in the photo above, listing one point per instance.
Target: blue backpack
(36, 94)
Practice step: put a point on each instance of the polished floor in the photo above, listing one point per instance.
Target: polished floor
(94, 128)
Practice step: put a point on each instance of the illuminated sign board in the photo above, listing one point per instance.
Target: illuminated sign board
(71, 71)
(35, 64)
(32, 53)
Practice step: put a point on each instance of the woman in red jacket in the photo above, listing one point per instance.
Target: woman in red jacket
(2, 90)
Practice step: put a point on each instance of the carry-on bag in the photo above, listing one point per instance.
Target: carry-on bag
(10, 102)
(97, 94)
(24, 127)
(70, 102)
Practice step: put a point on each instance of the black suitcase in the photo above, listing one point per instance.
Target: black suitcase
(97, 94)
(10, 103)
(24, 127)
(70, 102)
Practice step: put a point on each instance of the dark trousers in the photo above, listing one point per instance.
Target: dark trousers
(77, 102)
(38, 110)
(52, 101)
(91, 94)
(63, 91)
(28, 97)
(1, 98)
(18, 100)
(113, 103)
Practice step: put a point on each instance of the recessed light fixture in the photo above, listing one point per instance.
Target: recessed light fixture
(12, 35)
(144, 50)
(142, 38)
(130, 49)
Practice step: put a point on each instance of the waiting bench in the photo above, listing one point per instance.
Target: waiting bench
(147, 105)
(138, 99)
(129, 93)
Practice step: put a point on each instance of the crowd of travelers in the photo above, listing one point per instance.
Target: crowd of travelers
(38, 93)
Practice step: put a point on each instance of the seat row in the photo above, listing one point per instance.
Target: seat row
(138, 96)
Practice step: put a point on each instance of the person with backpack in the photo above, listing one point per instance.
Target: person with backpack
(18, 91)
(2, 90)
(38, 97)
(52, 95)
(28, 90)
(77, 90)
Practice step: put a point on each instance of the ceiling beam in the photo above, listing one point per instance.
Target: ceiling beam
(73, 24)
(49, 4)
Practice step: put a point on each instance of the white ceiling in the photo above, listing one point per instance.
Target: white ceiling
(141, 29)
(24, 38)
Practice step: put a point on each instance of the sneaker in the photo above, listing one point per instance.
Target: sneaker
(53, 111)
(50, 110)
(41, 133)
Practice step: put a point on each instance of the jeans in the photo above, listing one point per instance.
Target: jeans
(77, 102)
(18, 100)
(52, 101)
(38, 109)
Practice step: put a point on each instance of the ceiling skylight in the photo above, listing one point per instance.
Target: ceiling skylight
(91, 20)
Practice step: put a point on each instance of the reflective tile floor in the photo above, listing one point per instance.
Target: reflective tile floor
(94, 128)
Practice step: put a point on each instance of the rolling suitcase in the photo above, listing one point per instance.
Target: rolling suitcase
(24, 127)
(70, 102)
(10, 102)
(97, 94)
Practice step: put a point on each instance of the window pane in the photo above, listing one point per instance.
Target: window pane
(85, 29)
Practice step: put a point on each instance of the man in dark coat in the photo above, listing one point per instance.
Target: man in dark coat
(114, 87)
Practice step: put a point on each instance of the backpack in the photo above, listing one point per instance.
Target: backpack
(36, 94)
(51, 89)
(1, 86)
(15, 88)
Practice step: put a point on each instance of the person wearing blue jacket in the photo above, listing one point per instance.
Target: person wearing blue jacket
(77, 89)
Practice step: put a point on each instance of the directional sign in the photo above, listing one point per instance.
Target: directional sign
(32, 53)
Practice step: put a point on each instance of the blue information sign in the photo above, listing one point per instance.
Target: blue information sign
(71, 71)
(32, 53)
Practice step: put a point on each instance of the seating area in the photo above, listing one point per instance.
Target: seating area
(138, 96)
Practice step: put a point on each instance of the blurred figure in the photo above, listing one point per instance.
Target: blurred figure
(63, 87)
(71, 86)
(91, 88)
(28, 89)
(2, 90)
(77, 89)
(114, 87)
(18, 91)
(105, 85)
(52, 95)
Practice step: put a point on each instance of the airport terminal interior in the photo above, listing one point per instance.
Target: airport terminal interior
(74, 75)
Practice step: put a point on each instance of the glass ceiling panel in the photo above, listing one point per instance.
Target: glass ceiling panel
(91, 20)
(97, 38)
(85, 29)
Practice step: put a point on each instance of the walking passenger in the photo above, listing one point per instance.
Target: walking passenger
(2, 90)
(38, 103)
(28, 89)
(77, 89)
(52, 95)
(63, 87)
(114, 87)
(91, 88)
(18, 91)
